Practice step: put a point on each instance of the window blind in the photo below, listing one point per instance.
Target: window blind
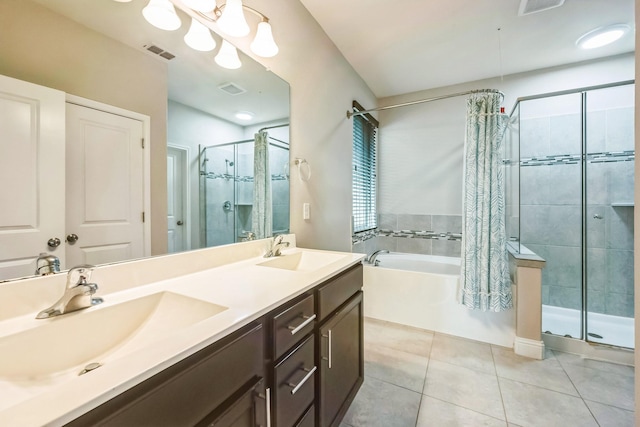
(364, 174)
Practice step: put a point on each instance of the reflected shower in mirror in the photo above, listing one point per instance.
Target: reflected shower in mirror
(105, 51)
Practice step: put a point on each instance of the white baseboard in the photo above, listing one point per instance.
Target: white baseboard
(529, 348)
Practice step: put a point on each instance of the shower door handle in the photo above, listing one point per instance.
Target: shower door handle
(597, 216)
(179, 223)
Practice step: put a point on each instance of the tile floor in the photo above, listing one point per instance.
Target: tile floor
(419, 378)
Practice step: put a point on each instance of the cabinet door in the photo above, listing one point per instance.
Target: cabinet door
(208, 382)
(341, 361)
(245, 409)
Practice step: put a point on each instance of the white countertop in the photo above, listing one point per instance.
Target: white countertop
(245, 288)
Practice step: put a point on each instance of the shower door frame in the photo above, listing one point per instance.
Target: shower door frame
(583, 91)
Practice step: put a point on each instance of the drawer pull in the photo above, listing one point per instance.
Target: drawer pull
(296, 387)
(296, 329)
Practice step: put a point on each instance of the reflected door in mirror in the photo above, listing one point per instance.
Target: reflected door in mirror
(32, 165)
(105, 187)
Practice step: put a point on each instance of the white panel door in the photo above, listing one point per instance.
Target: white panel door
(32, 164)
(105, 187)
(176, 199)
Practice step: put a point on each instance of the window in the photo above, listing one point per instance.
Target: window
(364, 171)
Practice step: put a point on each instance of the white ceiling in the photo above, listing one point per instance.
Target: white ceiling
(403, 46)
(194, 77)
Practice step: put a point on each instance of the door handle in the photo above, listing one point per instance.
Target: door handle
(72, 238)
(328, 358)
(267, 397)
(53, 242)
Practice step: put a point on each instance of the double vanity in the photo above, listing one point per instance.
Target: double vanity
(220, 336)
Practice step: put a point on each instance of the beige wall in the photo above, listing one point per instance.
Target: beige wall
(42, 47)
(323, 86)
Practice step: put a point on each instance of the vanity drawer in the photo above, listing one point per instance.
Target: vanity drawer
(294, 384)
(338, 290)
(292, 324)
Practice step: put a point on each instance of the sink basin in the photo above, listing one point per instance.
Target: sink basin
(302, 261)
(71, 341)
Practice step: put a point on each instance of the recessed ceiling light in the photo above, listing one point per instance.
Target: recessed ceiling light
(602, 36)
(244, 115)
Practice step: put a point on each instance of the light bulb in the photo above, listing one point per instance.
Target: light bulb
(200, 5)
(227, 56)
(264, 45)
(232, 21)
(199, 37)
(161, 14)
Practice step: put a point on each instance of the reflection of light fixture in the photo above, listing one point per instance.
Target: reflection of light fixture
(199, 37)
(227, 56)
(244, 115)
(232, 21)
(161, 14)
(602, 36)
(264, 45)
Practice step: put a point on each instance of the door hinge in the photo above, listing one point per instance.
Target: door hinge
(142, 216)
(142, 140)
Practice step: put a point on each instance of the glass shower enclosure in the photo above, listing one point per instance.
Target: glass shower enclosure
(226, 191)
(570, 167)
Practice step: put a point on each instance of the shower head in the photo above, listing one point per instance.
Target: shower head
(229, 163)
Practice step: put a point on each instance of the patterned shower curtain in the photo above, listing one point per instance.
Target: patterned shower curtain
(485, 282)
(262, 212)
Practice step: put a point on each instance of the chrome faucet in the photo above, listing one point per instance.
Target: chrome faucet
(371, 259)
(47, 264)
(77, 294)
(276, 246)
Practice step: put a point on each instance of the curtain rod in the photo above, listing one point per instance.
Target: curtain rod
(437, 98)
(274, 127)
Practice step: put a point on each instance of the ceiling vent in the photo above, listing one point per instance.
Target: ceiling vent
(159, 51)
(532, 6)
(231, 88)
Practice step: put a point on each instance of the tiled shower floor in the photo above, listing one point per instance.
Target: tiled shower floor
(418, 378)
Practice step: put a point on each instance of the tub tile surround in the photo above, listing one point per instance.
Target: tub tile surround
(415, 234)
(227, 276)
(498, 389)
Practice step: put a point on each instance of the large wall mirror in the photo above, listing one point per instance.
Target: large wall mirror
(212, 117)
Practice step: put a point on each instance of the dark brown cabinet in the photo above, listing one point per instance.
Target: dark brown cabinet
(341, 365)
(208, 385)
(298, 366)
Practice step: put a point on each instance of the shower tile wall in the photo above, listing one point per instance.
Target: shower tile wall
(550, 222)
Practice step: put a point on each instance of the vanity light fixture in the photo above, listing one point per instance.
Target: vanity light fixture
(161, 14)
(602, 36)
(200, 5)
(227, 56)
(199, 37)
(231, 20)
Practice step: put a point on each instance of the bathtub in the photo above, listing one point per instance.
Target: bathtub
(421, 291)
